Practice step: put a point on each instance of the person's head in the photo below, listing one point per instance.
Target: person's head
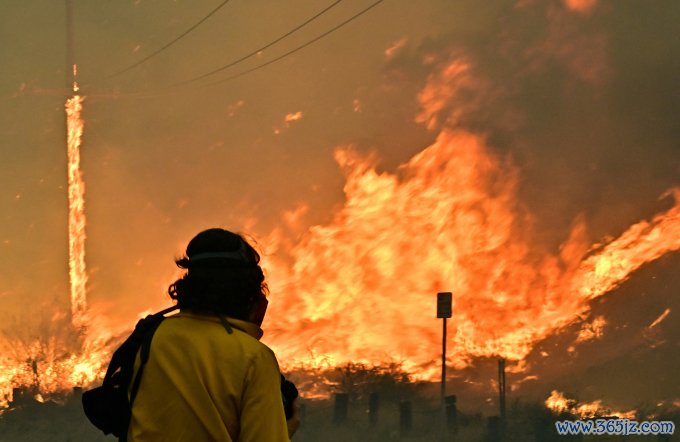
(223, 276)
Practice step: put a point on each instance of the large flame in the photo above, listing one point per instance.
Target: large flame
(46, 360)
(641, 243)
(62, 353)
(49, 366)
(559, 403)
(76, 205)
(362, 288)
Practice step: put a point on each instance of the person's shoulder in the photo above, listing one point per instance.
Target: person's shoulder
(197, 327)
(190, 319)
(193, 327)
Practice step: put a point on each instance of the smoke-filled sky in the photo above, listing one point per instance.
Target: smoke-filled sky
(578, 98)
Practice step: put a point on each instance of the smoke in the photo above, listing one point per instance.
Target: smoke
(557, 86)
(541, 99)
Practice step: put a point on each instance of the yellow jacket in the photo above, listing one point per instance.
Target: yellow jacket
(204, 384)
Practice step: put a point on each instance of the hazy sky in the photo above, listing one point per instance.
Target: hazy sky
(581, 96)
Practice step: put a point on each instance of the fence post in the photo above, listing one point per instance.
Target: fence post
(494, 429)
(451, 413)
(405, 417)
(303, 412)
(340, 411)
(501, 395)
(373, 406)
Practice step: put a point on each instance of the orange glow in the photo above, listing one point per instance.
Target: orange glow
(643, 242)
(581, 6)
(76, 204)
(362, 287)
(293, 117)
(660, 319)
(592, 330)
(48, 368)
(76, 88)
(558, 403)
(65, 352)
(445, 86)
(395, 48)
(50, 361)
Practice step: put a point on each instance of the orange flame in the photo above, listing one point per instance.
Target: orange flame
(582, 6)
(641, 243)
(62, 356)
(76, 204)
(48, 369)
(293, 117)
(558, 403)
(592, 330)
(362, 287)
(660, 319)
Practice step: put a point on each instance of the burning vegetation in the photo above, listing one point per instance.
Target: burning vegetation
(559, 404)
(353, 298)
(449, 220)
(66, 350)
(359, 287)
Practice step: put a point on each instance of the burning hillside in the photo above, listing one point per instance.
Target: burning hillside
(362, 287)
(359, 286)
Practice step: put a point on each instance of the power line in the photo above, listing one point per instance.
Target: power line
(256, 51)
(158, 51)
(302, 46)
(168, 89)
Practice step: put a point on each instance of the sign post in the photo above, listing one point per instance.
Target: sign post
(444, 312)
(501, 394)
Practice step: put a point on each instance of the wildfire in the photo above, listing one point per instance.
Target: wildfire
(641, 243)
(76, 204)
(293, 117)
(660, 319)
(362, 287)
(592, 330)
(48, 360)
(48, 370)
(558, 403)
(67, 351)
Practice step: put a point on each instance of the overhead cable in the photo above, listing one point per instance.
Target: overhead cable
(302, 46)
(173, 87)
(158, 51)
(258, 50)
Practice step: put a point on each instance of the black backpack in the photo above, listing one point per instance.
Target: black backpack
(108, 406)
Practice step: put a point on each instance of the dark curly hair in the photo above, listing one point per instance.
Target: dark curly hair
(223, 275)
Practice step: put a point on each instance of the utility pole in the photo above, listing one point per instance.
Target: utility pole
(70, 50)
(444, 312)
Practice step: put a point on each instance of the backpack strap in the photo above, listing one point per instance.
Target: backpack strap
(151, 325)
(144, 352)
(144, 331)
(119, 359)
(226, 324)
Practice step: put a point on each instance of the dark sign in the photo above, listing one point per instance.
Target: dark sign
(444, 304)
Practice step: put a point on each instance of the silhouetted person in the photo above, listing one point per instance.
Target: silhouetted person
(209, 378)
